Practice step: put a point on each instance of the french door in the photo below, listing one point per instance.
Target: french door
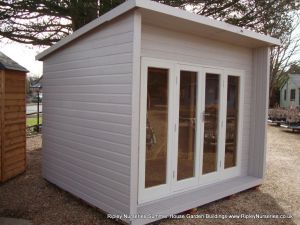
(189, 127)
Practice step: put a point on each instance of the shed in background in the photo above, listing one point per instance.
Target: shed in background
(290, 92)
(12, 118)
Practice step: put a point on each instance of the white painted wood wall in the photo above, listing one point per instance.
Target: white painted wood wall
(166, 44)
(91, 110)
(87, 116)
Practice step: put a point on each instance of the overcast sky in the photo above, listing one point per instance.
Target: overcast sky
(25, 55)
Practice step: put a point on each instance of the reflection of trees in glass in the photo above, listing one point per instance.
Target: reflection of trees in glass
(187, 126)
(157, 127)
(232, 121)
(211, 118)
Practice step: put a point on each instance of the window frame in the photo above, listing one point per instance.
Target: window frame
(173, 186)
(293, 94)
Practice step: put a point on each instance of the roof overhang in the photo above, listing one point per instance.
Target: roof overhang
(172, 18)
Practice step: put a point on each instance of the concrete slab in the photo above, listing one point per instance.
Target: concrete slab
(13, 221)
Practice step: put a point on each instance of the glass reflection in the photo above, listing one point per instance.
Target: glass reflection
(187, 125)
(157, 127)
(211, 118)
(232, 121)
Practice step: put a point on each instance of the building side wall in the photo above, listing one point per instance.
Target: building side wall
(87, 91)
(259, 109)
(170, 45)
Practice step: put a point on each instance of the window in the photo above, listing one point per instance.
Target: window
(157, 127)
(284, 97)
(293, 95)
(232, 118)
(211, 123)
(189, 127)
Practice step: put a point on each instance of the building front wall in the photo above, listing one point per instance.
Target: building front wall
(170, 45)
(87, 116)
(289, 85)
(160, 43)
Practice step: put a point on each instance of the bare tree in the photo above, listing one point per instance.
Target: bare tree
(282, 60)
(44, 22)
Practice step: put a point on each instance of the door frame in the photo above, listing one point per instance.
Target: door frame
(235, 171)
(214, 176)
(193, 181)
(172, 185)
(148, 194)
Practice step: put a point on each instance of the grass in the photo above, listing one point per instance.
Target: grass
(33, 121)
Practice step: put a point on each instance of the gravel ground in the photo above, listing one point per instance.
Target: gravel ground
(30, 197)
(34, 143)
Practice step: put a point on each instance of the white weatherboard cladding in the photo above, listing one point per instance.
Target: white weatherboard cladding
(92, 102)
(87, 116)
(183, 48)
(288, 86)
(259, 106)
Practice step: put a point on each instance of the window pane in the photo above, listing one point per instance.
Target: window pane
(293, 94)
(232, 121)
(211, 118)
(157, 127)
(187, 125)
(284, 94)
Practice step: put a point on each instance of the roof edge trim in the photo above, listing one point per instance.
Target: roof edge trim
(172, 11)
(160, 8)
(119, 10)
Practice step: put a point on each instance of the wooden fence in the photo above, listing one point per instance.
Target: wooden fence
(12, 135)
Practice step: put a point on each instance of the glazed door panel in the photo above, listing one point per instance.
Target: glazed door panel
(190, 125)
(189, 85)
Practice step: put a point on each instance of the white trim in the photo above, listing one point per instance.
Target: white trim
(148, 194)
(159, 8)
(136, 76)
(193, 181)
(236, 170)
(172, 185)
(214, 176)
(183, 14)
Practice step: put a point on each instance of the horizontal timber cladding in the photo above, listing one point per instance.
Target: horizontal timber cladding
(186, 48)
(87, 116)
(13, 124)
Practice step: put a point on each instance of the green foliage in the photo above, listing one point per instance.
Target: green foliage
(44, 22)
(33, 121)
